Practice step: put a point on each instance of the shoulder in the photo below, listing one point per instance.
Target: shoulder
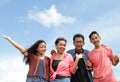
(91, 52)
(47, 57)
(68, 54)
(32, 55)
(106, 47)
(71, 51)
(86, 51)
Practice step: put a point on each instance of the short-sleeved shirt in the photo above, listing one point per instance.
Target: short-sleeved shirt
(102, 65)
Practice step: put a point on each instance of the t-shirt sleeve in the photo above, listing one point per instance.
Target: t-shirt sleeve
(110, 53)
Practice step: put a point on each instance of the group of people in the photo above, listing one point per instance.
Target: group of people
(75, 65)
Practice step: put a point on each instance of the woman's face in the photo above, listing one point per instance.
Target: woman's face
(41, 48)
(61, 46)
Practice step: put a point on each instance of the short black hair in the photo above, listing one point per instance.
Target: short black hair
(59, 39)
(93, 32)
(78, 35)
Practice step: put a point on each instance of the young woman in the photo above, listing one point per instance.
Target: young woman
(37, 61)
(61, 63)
(101, 59)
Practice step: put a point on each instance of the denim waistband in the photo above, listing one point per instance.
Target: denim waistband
(34, 77)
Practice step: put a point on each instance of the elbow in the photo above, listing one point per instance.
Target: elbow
(74, 69)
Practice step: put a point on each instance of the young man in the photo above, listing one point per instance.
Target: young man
(82, 74)
(102, 59)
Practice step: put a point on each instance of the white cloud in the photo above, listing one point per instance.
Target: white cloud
(12, 69)
(49, 17)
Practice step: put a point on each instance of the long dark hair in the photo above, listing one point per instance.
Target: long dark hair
(32, 50)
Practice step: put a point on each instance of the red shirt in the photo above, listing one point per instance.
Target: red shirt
(102, 65)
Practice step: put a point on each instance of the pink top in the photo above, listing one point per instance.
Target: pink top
(64, 67)
(102, 65)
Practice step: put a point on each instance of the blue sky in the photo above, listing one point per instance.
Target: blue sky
(27, 21)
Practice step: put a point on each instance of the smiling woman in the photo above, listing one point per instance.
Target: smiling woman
(36, 59)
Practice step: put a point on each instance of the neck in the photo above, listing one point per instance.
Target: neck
(41, 56)
(79, 51)
(59, 56)
(97, 46)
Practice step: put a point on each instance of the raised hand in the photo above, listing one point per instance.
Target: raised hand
(79, 55)
(4, 36)
(115, 60)
(52, 52)
(15, 44)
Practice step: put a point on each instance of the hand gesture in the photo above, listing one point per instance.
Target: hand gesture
(52, 52)
(89, 65)
(115, 60)
(79, 56)
(4, 36)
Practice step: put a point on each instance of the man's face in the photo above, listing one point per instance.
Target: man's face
(78, 43)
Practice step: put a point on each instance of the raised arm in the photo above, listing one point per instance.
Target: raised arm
(75, 65)
(19, 47)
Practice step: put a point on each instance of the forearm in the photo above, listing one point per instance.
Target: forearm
(89, 65)
(15, 44)
(75, 65)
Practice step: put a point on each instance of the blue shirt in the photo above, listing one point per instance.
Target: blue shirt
(40, 70)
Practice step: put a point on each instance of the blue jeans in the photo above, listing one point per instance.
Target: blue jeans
(61, 80)
(35, 79)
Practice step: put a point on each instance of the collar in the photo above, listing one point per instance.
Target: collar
(82, 51)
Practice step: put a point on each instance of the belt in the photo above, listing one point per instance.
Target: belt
(61, 77)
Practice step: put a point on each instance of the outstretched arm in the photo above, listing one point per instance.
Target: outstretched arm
(19, 47)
